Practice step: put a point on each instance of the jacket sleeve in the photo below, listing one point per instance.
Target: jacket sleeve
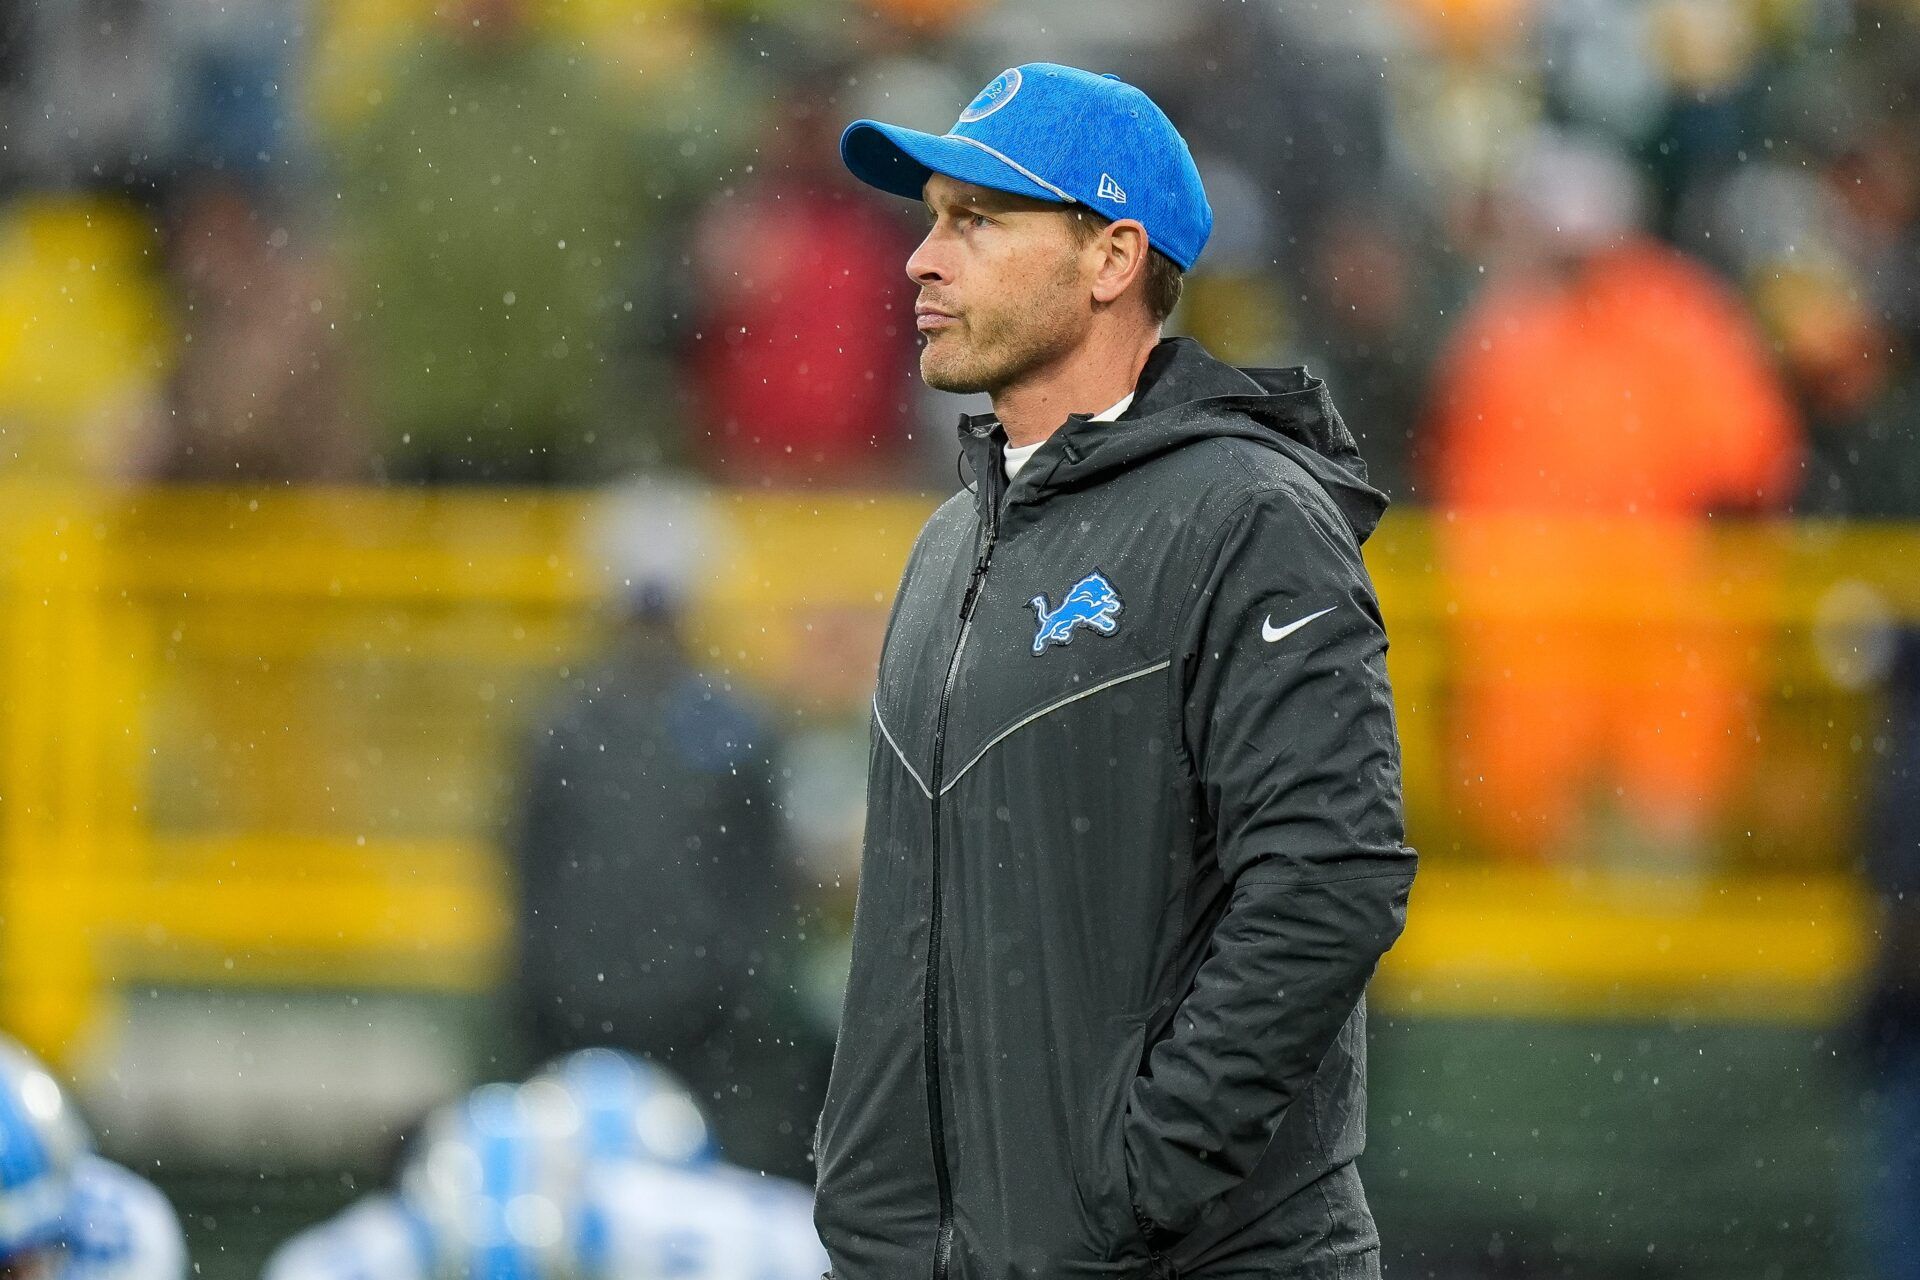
(1289, 723)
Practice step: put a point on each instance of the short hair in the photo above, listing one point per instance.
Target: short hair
(1164, 277)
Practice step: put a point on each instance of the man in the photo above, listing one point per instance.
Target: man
(1134, 839)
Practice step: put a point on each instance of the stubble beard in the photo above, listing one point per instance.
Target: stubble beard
(991, 352)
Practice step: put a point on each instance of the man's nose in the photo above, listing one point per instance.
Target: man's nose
(927, 264)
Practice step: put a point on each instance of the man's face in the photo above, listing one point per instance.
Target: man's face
(1004, 286)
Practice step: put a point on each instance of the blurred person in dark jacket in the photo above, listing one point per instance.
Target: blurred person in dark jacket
(102, 94)
(1840, 298)
(656, 892)
(1889, 1021)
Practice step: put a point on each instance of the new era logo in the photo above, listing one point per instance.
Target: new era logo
(1110, 190)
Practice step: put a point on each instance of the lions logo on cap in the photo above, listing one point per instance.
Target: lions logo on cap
(993, 97)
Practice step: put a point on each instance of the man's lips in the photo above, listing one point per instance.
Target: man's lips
(929, 319)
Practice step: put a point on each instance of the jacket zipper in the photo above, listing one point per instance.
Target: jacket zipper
(930, 999)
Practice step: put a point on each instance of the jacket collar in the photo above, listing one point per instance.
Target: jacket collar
(1184, 395)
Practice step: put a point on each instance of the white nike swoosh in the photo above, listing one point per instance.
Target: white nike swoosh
(1271, 633)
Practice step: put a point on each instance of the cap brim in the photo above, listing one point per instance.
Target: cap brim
(900, 161)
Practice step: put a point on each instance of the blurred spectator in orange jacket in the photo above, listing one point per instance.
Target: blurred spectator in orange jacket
(1601, 400)
(795, 378)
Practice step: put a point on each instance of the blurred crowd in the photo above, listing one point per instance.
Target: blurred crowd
(1582, 277)
(557, 240)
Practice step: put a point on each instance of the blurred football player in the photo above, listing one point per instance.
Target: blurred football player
(65, 1213)
(655, 1200)
(600, 1169)
(656, 888)
(376, 1238)
(622, 1108)
(650, 1222)
(498, 1189)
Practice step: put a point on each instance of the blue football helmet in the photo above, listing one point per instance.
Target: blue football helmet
(498, 1189)
(622, 1108)
(41, 1140)
(118, 1227)
(379, 1237)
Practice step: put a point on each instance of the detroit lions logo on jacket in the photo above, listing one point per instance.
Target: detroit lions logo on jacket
(1091, 602)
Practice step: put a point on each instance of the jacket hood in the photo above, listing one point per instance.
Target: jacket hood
(1185, 395)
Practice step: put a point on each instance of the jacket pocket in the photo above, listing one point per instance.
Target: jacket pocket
(1099, 1150)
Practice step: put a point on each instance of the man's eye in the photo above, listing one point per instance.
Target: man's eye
(965, 219)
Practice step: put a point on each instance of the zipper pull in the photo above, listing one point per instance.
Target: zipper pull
(978, 577)
(974, 583)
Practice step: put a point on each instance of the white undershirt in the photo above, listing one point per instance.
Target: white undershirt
(1017, 455)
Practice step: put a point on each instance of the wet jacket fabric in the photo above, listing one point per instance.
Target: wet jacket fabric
(1134, 846)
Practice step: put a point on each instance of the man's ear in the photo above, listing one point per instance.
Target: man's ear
(1123, 249)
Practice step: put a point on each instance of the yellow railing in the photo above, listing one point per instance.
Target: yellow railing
(270, 737)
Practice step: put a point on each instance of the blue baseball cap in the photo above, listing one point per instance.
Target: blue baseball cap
(1053, 133)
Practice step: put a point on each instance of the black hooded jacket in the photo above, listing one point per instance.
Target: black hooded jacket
(1134, 846)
